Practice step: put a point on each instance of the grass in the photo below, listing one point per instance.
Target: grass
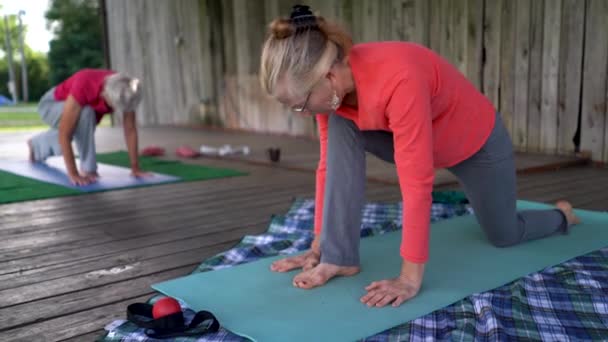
(22, 104)
(22, 129)
(27, 104)
(18, 121)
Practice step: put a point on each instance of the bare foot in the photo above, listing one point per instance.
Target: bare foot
(305, 261)
(321, 274)
(566, 208)
(31, 151)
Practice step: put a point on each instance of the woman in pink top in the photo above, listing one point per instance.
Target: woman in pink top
(74, 108)
(408, 106)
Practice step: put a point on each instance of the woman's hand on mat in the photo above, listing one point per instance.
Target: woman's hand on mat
(90, 176)
(137, 173)
(397, 290)
(79, 180)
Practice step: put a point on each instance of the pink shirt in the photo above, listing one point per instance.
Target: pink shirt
(86, 86)
(437, 118)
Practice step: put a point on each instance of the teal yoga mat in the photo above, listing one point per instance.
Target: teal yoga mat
(254, 302)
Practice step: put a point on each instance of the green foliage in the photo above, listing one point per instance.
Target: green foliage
(77, 45)
(37, 65)
(13, 34)
(37, 74)
(78, 37)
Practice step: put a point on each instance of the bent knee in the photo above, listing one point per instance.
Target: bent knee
(503, 239)
(502, 232)
(502, 243)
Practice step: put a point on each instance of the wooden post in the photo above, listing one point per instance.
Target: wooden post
(474, 41)
(570, 60)
(459, 13)
(491, 70)
(507, 64)
(535, 83)
(593, 123)
(522, 74)
(548, 111)
(434, 25)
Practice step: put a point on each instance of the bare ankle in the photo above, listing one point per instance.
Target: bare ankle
(566, 208)
(31, 155)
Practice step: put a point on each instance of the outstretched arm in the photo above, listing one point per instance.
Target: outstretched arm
(410, 120)
(67, 125)
(131, 139)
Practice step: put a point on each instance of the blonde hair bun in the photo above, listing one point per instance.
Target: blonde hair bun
(281, 28)
(301, 49)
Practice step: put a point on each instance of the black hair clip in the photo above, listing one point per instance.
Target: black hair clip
(303, 18)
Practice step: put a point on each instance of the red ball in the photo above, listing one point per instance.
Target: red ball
(165, 307)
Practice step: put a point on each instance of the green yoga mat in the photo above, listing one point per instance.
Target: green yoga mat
(252, 301)
(15, 188)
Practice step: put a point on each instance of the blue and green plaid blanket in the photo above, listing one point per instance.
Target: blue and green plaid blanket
(560, 303)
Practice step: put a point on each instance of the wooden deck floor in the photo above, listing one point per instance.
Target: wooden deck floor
(297, 153)
(69, 266)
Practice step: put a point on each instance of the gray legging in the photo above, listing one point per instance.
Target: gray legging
(46, 144)
(488, 178)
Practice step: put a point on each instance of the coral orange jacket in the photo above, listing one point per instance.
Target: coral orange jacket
(436, 116)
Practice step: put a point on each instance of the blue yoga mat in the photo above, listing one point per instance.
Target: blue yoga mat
(254, 302)
(53, 171)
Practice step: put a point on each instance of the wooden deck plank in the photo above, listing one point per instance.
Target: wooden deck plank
(140, 233)
(142, 201)
(92, 336)
(148, 232)
(538, 182)
(579, 195)
(64, 258)
(132, 270)
(577, 185)
(107, 293)
(64, 327)
(57, 306)
(165, 191)
(163, 213)
(133, 254)
(297, 153)
(567, 188)
(155, 236)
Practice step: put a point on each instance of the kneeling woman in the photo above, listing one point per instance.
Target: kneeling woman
(408, 106)
(74, 108)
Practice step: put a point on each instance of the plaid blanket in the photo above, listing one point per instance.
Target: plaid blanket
(560, 303)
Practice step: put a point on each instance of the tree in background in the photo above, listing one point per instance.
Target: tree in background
(78, 37)
(37, 74)
(38, 69)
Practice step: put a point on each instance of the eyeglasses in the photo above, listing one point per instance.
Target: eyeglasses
(302, 108)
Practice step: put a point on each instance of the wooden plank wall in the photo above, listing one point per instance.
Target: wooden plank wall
(241, 101)
(160, 42)
(594, 131)
(543, 63)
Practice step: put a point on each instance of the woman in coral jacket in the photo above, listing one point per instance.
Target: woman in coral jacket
(408, 106)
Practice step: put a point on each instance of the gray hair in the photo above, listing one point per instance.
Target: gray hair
(123, 92)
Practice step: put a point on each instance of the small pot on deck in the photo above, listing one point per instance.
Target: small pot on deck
(274, 154)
